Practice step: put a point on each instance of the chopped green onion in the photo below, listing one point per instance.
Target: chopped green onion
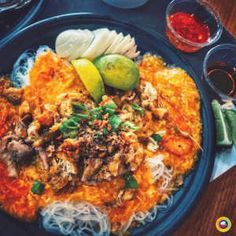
(115, 121)
(37, 187)
(130, 181)
(137, 108)
(96, 113)
(111, 105)
(157, 137)
(81, 116)
(78, 107)
(109, 108)
(69, 128)
(70, 134)
(130, 125)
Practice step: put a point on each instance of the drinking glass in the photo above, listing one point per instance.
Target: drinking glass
(221, 60)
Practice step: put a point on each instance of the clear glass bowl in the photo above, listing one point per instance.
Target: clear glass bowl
(221, 55)
(202, 12)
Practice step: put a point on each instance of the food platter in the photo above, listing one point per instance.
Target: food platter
(45, 32)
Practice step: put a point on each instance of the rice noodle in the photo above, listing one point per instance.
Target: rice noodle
(160, 171)
(22, 66)
(75, 219)
(143, 218)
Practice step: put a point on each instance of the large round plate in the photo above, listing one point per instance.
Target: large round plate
(45, 32)
(14, 20)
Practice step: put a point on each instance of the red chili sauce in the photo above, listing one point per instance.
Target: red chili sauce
(190, 28)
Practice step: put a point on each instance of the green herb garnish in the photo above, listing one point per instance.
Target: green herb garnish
(130, 181)
(37, 187)
(137, 108)
(157, 137)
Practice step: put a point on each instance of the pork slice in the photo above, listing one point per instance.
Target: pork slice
(91, 167)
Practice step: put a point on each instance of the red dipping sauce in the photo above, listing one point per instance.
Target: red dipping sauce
(188, 32)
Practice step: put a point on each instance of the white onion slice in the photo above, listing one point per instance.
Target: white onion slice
(99, 44)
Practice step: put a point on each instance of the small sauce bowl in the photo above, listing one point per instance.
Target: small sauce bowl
(204, 13)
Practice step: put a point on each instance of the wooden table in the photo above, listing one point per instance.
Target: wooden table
(227, 12)
(218, 200)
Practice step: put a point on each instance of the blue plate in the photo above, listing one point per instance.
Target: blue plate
(45, 32)
(13, 20)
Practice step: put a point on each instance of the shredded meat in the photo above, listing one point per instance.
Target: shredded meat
(13, 95)
(14, 152)
(91, 167)
(62, 173)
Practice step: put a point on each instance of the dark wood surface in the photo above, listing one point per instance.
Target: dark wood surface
(227, 12)
(218, 200)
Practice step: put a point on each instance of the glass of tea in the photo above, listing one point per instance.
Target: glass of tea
(192, 25)
(219, 70)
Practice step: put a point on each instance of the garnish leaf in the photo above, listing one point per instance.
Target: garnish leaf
(157, 137)
(37, 187)
(130, 181)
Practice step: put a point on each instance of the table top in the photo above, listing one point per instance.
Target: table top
(218, 200)
(151, 17)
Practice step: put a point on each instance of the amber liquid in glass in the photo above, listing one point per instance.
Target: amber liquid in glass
(223, 77)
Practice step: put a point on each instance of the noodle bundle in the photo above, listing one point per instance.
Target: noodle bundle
(75, 219)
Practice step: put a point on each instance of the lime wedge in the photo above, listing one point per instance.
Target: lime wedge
(118, 71)
(90, 77)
